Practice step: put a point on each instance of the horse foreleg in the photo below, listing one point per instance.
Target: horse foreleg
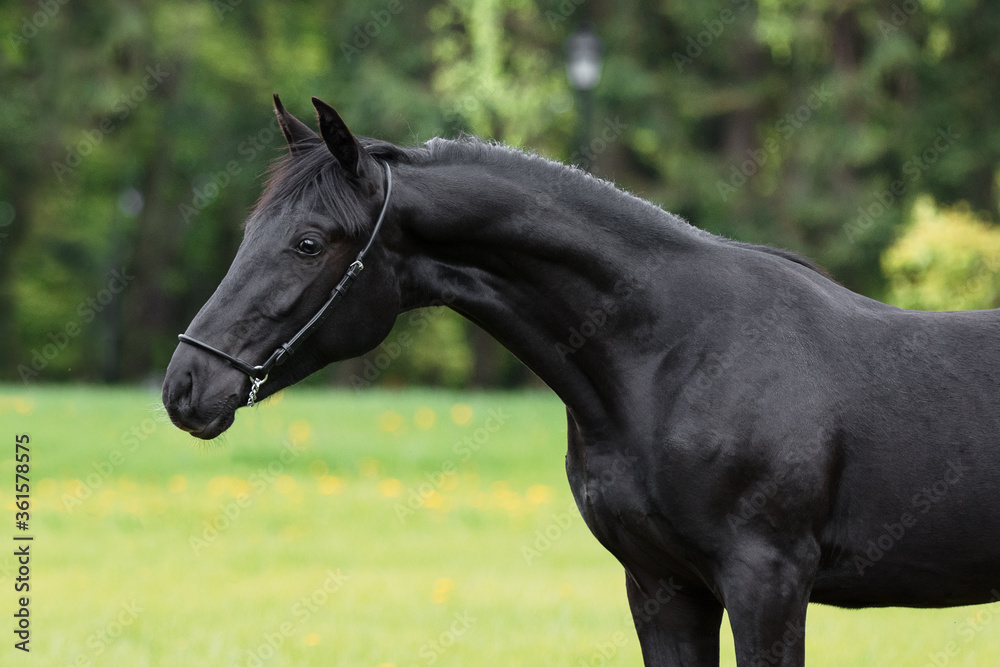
(676, 624)
(766, 592)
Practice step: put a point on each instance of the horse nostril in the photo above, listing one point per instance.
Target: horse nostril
(177, 393)
(187, 386)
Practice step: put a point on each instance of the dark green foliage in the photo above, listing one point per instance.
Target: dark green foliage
(809, 125)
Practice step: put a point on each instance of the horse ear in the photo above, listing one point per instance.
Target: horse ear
(349, 153)
(296, 132)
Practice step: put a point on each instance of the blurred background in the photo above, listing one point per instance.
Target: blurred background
(134, 136)
(399, 518)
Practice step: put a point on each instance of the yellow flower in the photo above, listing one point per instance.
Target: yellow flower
(285, 484)
(218, 485)
(328, 484)
(390, 488)
(425, 417)
(48, 487)
(442, 587)
(298, 431)
(291, 533)
(461, 413)
(390, 421)
(538, 494)
(238, 487)
(433, 500)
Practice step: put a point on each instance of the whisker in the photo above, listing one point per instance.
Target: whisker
(216, 444)
(159, 412)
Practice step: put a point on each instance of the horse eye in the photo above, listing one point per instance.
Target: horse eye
(309, 247)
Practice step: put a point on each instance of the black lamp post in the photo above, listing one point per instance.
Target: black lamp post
(583, 67)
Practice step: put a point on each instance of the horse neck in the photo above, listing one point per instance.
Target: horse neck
(557, 268)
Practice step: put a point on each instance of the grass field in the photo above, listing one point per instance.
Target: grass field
(334, 528)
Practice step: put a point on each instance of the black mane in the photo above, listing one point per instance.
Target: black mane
(313, 168)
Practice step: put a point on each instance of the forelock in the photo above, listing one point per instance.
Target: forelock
(312, 176)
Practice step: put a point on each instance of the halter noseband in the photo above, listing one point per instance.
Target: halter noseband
(258, 374)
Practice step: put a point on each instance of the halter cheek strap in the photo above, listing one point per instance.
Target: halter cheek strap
(258, 374)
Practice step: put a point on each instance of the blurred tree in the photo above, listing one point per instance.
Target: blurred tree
(133, 137)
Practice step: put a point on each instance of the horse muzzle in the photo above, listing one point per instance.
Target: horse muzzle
(199, 402)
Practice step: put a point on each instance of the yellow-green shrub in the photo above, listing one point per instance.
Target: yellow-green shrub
(946, 259)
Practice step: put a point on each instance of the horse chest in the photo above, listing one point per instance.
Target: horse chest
(608, 485)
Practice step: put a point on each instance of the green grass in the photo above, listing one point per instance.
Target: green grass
(319, 555)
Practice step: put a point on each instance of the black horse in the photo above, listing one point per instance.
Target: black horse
(744, 433)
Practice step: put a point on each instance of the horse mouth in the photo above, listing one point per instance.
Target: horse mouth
(214, 428)
(205, 430)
